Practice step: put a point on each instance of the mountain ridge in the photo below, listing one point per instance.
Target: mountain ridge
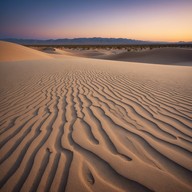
(87, 41)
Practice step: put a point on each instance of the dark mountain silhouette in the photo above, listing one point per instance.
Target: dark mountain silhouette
(78, 41)
(87, 41)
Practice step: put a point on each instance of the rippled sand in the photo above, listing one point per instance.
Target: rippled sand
(79, 124)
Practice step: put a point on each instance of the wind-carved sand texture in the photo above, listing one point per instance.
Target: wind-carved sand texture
(78, 124)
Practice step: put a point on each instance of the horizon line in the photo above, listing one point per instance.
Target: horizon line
(92, 38)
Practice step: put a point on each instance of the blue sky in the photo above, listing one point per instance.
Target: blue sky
(168, 20)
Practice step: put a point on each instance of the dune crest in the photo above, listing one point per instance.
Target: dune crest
(14, 52)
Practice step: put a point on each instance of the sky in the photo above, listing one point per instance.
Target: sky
(155, 20)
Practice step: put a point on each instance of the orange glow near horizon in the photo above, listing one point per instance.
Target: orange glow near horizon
(161, 24)
(165, 20)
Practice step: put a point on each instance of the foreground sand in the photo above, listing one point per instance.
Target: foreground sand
(79, 124)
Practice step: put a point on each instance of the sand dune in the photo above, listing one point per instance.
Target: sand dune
(159, 56)
(174, 56)
(15, 52)
(79, 124)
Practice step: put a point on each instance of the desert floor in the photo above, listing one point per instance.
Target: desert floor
(75, 124)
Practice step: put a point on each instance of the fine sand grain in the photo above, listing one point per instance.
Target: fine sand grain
(78, 124)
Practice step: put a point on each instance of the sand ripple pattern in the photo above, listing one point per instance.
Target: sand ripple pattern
(80, 128)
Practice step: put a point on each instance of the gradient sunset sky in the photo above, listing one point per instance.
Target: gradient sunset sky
(156, 20)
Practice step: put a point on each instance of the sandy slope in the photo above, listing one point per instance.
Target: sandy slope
(175, 56)
(159, 56)
(15, 52)
(78, 124)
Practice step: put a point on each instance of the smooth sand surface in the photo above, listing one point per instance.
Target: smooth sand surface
(171, 56)
(14, 52)
(79, 124)
(158, 56)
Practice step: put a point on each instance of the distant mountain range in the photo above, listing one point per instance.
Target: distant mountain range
(86, 41)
